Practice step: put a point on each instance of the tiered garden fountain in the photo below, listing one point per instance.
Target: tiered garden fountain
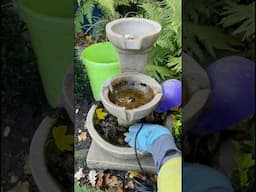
(129, 96)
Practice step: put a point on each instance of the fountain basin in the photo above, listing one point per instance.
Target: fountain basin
(127, 116)
(114, 150)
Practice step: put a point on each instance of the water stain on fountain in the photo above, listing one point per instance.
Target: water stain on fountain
(130, 94)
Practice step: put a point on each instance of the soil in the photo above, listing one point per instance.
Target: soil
(110, 131)
(115, 134)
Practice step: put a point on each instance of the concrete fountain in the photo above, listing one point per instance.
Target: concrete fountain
(129, 96)
(133, 39)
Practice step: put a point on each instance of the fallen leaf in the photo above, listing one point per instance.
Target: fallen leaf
(101, 115)
(113, 182)
(20, 187)
(92, 176)
(82, 136)
(134, 174)
(79, 174)
(100, 179)
(130, 185)
(62, 141)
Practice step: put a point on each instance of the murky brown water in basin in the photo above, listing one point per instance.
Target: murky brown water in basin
(131, 94)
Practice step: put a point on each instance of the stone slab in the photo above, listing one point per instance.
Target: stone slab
(97, 158)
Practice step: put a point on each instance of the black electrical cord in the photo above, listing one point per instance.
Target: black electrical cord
(142, 185)
(136, 151)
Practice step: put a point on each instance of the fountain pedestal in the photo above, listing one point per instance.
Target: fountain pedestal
(97, 158)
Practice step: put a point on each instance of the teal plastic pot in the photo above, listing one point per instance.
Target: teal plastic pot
(50, 25)
(102, 62)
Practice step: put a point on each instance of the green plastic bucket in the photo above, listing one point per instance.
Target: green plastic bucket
(50, 25)
(102, 62)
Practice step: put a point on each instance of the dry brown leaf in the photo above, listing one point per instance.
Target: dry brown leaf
(129, 185)
(114, 183)
(82, 136)
(79, 174)
(20, 187)
(92, 176)
(100, 179)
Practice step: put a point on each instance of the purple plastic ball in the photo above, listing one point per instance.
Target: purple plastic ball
(171, 95)
(233, 95)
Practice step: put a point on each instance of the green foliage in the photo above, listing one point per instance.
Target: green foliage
(242, 16)
(212, 30)
(207, 38)
(199, 11)
(85, 8)
(167, 50)
(175, 64)
(107, 7)
(176, 129)
(244, 162)
(80, 79)
(160, 73)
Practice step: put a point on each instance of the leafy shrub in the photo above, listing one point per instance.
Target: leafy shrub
(223, 29)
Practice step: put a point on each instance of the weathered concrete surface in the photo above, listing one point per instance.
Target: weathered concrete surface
(97, 158)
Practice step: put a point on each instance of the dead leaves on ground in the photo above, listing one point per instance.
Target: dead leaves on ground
(100, 179)
(114, 183)
(82, 136)
(92, 177)
(79, 174)
(104, 180)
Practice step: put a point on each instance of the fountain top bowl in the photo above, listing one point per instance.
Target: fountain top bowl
(133, 33)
